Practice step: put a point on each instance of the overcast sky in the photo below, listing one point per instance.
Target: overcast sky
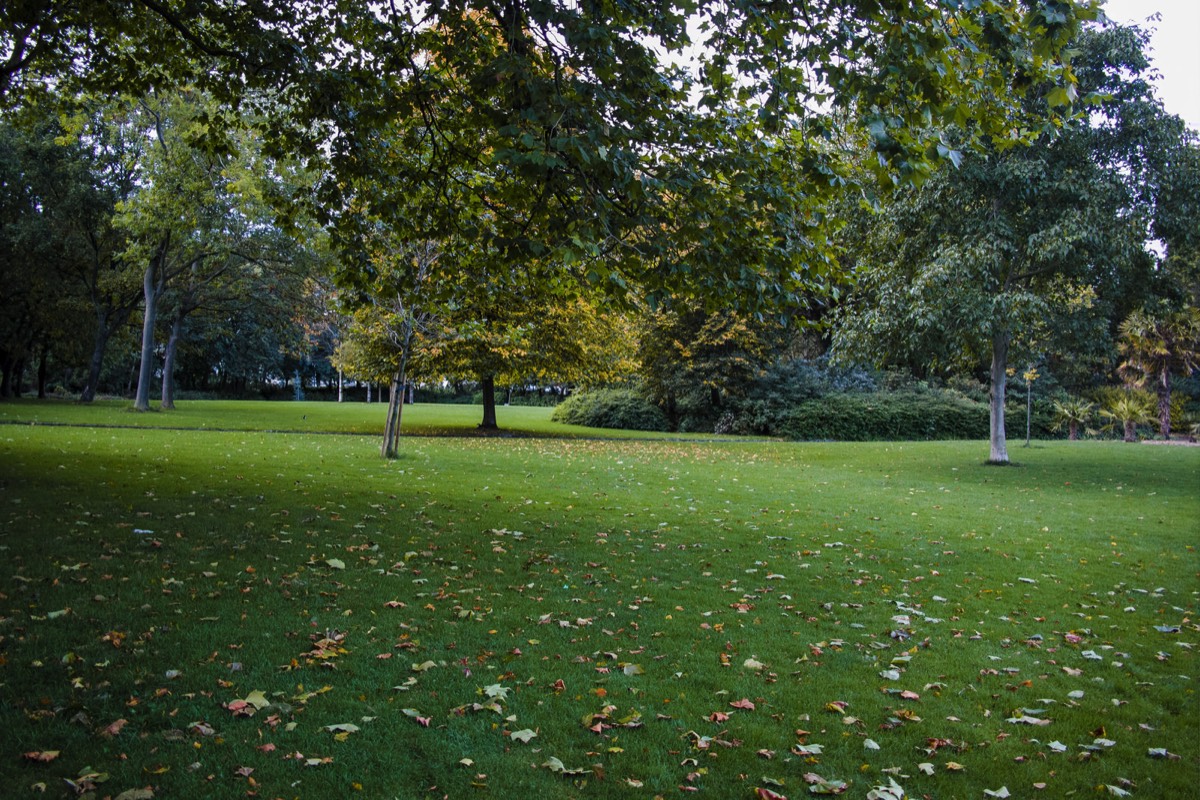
(1176, 50)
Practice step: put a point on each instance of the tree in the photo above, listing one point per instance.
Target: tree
(693, 360)
(37, 255)
(389, 323)
(1072, 412)
(1156, 347)
(1130, 409)
(575, 125)
(1043, 242)
(78, 167)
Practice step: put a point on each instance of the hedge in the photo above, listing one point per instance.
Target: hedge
(622, 409)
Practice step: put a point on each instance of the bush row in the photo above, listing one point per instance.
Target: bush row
(902, 416)
(838, 416)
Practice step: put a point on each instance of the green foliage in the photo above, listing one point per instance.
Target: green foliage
(1073, 412)
(1029, 254)
(623, 409)
(886, 417)
(1127, 408)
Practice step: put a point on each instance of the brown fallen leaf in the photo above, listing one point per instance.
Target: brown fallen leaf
(112, 729)
(41, 755)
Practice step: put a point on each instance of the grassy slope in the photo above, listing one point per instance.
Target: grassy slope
(522, 562)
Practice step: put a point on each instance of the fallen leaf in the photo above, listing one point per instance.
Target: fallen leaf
(893, 791)
(335, 563)
(41, 755)
(114, 728)
(523, 735)
(1025, 719)
(1161, 752)
(767, 794)
(555, 765)
(136, 794)
(1001, 792)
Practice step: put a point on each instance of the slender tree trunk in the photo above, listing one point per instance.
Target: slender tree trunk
(6, 369)
(1164, 403)
(168, 378)
(6, 365)
(999, 374)
(96, 363)
(1130, 431)
(43, 363)
(1073, 427)
(339, 386)
(152, 284)
(395, 413)
(488, 384)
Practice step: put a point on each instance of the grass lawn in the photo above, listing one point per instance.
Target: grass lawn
(420, 419)
(204, 613)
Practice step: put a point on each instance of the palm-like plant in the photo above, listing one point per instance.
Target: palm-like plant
(1154, 347)
(1130, 409)
(1072, 412)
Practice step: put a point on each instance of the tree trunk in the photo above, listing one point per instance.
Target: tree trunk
(152, 281)
(6, 367)
(168, 378)
(1073, 427)
(488, 384)
(43, 363)
(395, 413)
(99, 346)
(1130, 431)
(999, 374)
(1164, 403)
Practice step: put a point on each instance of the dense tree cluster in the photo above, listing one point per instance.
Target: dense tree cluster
(685, 196)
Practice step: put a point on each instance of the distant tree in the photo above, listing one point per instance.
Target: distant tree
(1128, 409)
(1156, 347)
(1072, 412)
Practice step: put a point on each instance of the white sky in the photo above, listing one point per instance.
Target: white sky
(1176, 49)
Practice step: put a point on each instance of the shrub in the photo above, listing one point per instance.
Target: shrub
(902, 416)
(623, 409)
(887, 417)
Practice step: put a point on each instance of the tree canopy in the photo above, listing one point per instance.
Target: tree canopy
(1037, 250)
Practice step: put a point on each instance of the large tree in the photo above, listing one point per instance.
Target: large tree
(1025, 243)
(673, 147)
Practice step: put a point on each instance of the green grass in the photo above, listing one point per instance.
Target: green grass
(420, 419)
(157, 576)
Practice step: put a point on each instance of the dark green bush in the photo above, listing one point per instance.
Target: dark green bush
(901, 416)
(623, 409)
